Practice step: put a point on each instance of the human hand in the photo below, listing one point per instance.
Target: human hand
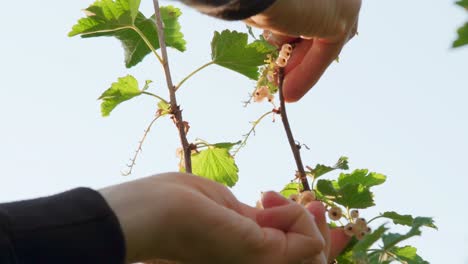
(321, 29)
(193, 220)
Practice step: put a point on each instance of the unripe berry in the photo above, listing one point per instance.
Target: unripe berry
(349, 229)
(354, 214)
(306, 197)
(335, 213)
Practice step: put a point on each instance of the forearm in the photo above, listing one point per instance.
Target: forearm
(72, 227)
(230, 9)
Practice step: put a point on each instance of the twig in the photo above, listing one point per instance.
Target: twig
(252, 130)
(294, 147)
(175, 109)
(139, 149)
(193, 73)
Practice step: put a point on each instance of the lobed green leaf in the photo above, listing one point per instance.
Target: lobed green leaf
(122, 20)
(216, 164)
(462, 36)
(291, 188)
(321, 170)
(362, 177)
(123, 90)
(408, 254)
(230, 49)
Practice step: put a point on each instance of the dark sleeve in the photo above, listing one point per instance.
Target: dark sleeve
(77, 226)
(230, 9)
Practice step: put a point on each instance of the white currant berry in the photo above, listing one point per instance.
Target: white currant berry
(361, 223)
(285, 53)
(360, 235)
(306, 197)
(354, 214)
(281, 61)
(261, 93)
(335, 213)
(349, 229)
(287, 47)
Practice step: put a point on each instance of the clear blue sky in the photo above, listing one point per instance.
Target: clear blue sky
(396, 103)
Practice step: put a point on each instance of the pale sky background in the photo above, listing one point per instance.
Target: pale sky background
(396, 104)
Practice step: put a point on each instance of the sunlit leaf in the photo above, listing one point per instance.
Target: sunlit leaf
(122, 20)
(123, 90)
(230, 49)
(215, 164)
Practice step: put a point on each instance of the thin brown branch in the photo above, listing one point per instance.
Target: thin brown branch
(175, 108)
(139, 149)
(294, 147)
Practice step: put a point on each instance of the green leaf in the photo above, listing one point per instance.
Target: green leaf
(463, 3)
(325, 187)
(355, 196)
(291, 188)
(462, 36)
(407, 220)
(121, 19)
(360, 249)
(230, 49)
(226, 145)
(391, 239)
(320, 169)
(164, 108)
(346, 256)
(408, 254)
(362, 177)
(215, 164)
(123, 90)
(350, 195)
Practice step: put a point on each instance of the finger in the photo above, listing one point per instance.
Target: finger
(273, 199)
(339, 241)
(317, 209)
(277, 40)
(308, 67)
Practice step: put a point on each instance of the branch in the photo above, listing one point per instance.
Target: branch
(175, 109)
(294, 147)
(139, 148)
(252, 130)
(193, 73)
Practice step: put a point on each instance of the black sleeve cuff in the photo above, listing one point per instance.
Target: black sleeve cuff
(230, 9)
(77, 226)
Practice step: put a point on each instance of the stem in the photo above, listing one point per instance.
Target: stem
(175, 109)
(139, 148)
(155, 95)
(375, 218)
(252, 130)
(193, 73)
(294, 147)
(148, 43)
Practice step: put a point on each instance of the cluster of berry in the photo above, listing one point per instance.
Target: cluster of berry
(270, 72)
(356, 227)
(284, 55)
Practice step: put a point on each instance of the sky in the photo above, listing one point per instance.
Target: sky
(396, 104)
